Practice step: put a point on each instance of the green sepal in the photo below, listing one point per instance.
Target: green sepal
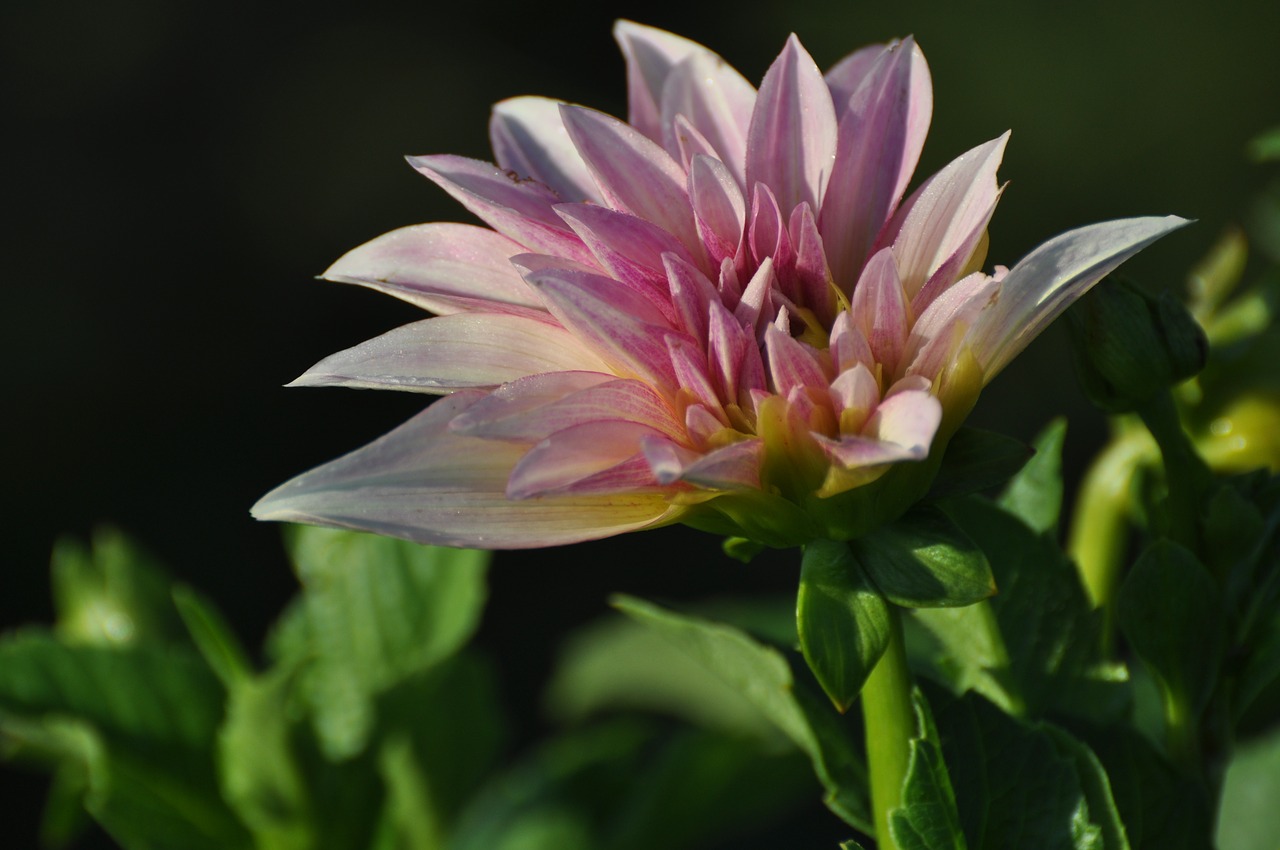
(742, 549)
(842, 620)
(924, 560)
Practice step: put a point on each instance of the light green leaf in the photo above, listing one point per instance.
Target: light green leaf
(842, 619)
(760, 675)
(924, 560)
(113, 594)
(409, 820)
(977, 460)
(378, 610)
(1249, 818)
(1034, 495)
(213, 637)
(1170, 611)
(927, 818)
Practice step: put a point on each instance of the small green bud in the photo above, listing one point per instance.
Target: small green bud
(1129, 345)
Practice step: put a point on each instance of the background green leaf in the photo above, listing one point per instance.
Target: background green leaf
(977, 460)
(927, 819)
(1034, 495)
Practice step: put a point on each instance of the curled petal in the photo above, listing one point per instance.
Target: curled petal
(578, 459)
(529, 138)
(651, 56)
(1045, 282)
(421, 482)
(454, 352)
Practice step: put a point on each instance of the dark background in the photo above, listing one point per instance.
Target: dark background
(177, 173)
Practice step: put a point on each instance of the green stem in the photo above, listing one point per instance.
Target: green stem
(1100, 522)
(1186, 475)
(890, 726)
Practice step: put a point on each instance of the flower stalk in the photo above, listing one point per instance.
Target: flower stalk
(890, 726)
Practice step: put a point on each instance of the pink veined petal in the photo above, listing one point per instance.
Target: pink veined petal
(962, 257)
(812, 272)
(792, 138)
(732, 467)
(520, 209)
(437, 266)
(629, 248)
(768, 237)
(880, 307)
(849, 344)
(791, 364)
(881, 133)
(756, 308)
(651, 55)
(933, 337)
(690, 143)
(902, 428)
(692, 294)
(423, 483)
(454, 352)
(522, 410)
(845, 76)
(634, 174)
(716, 101)
(580, 452)
(1045, 282)
(693, 373)
(617, 324)
(700, 424)
(946, 211)
(529, 138)
(854, 393)
(719, 210)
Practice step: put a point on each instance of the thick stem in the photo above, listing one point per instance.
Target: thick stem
(890, 726)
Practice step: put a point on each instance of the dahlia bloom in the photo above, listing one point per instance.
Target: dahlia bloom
(719, 312)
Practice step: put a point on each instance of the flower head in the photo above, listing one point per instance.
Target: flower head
(719, 312)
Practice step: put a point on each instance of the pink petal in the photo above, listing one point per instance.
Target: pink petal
(692, 295)
(902, 428)
(791, 363)
(792, 137)
(534, 408)
(719, 209)
(438, 266)
(768, 237)
(880, 308)
(693, 373)
(1049, 279)
(581, 452)
(845, 76)
(732, 467)
(882, 129)
(633, 173)
(529, 138)
(939, 330)
(423, 483)
(716, 101)
(855, 394)
(946, 212)
(454, 352)
(849, 345)
(812, 272)
(520, 209)
(651, 56)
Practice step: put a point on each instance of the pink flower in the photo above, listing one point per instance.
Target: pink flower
(720, 312)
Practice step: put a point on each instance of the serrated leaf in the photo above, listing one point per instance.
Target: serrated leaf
(842, 619)
(924, 560)
(1013, 787)
(762, 676)
(214, 639)
(378, 610)
(1034, 495)
(927, 818)
(1170, 611)
(977, 460)
(1046, 626)
(1096, 787)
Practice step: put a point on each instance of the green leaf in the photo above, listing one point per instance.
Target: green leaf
(213, 637)
(1045, 636)
(1265, 147)
(927, 819)
(842, 619)
(977, 460)
(760, 675)
(1014, 784)
(113, 594)
(1249, 818)
(1170, 611)
(1096, 786)
(409, 820)
(378, 610)
(924, 560)
(1034, 495)
(1257, 692)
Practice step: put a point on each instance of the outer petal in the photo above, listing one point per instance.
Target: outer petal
(716, 101)
(651, 55)
(571, 456)
(881, 133)
(438, 266)
(423, 483)
(792, 139)
(529, 138)
(1046, 281)
(454, 352)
